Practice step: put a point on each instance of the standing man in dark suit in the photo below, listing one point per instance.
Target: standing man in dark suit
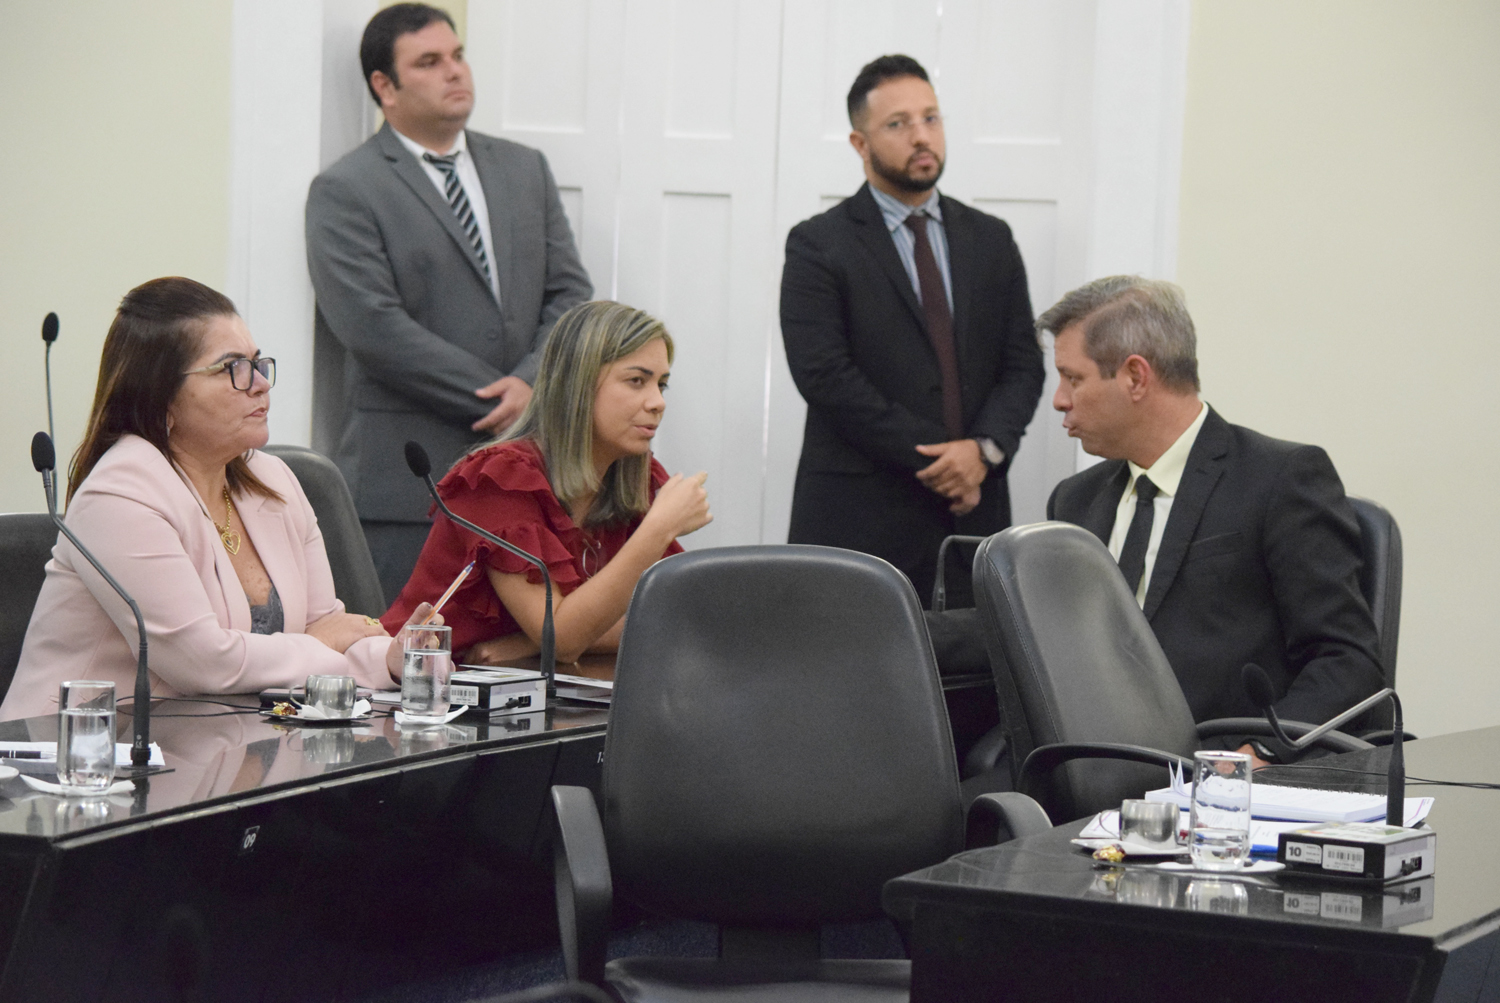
(908, 330)
(1239, 547)
(440, 259)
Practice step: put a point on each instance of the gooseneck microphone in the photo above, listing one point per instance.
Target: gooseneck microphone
(49, 335)
(44, 459)
(416, 459)
(1263, 694)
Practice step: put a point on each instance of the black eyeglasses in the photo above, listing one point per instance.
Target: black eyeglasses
(242, 371)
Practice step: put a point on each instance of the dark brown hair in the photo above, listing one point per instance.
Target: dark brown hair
(872, 75)
(156, 335)
(377, 47)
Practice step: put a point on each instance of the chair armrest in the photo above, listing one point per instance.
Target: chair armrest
(1011, 811)
(1335, 741)
(986, 752)
(585, 892)
(1045, 758)
(939, 583)
(1385, 736)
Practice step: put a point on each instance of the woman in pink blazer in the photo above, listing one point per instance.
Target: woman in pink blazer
(215, 541)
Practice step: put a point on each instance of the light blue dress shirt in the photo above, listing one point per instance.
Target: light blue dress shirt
(894, 211)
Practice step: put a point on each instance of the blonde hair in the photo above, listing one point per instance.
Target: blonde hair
(560, 416)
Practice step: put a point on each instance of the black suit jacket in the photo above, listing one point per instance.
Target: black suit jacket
(1259, 563)
(858, 350)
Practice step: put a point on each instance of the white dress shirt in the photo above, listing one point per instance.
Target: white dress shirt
(468, 176)
(1166, 473)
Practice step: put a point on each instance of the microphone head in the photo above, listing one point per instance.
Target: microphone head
(416, 459)
(43, 457)
(1258, 685)
(49, 328)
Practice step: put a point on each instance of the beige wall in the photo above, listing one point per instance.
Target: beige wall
(1340, 242)
(116, 170)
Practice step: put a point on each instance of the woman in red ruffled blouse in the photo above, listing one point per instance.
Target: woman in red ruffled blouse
(574, 483)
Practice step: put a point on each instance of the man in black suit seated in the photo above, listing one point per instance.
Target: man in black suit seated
(1240, 548)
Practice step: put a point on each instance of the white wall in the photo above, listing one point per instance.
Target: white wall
(1340, 205)
(116, 170)
(688, 137)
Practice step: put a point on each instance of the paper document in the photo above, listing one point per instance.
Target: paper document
(1264, 833)
(1291, 804)
(47, 752)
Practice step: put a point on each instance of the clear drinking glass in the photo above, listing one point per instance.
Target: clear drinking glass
(426, 663)
(86, 735)
(1220, 823)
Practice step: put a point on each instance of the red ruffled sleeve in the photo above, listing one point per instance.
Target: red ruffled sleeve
(505, 490)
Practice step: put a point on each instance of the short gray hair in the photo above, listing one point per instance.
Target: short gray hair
(1125, 315)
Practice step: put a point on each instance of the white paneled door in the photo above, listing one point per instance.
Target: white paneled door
(688, 136)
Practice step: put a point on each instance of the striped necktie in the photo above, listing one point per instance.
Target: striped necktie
(458, 199)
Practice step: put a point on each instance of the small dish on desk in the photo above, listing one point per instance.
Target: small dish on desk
(287, 711)
(1131, 851)
(7, 772)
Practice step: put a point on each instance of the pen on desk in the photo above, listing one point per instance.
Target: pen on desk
(451, 589)
(20, 754)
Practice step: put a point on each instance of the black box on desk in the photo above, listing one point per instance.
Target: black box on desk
(498, 691)
(1359, 851)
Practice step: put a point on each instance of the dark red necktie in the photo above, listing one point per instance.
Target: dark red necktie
(939, 325)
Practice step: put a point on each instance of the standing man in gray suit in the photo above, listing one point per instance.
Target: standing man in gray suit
(440, 258)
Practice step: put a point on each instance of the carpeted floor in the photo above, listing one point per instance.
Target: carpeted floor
(650, 937)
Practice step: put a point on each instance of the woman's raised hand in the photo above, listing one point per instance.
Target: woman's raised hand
(681, 505)
(393, 653)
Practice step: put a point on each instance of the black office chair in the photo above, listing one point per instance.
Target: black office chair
(354, 577)
(777, 750)
(26, 540)
(1380, 583)
(1087, 677)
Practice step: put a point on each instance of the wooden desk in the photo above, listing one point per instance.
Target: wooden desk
(1034, 919)
(287, 862)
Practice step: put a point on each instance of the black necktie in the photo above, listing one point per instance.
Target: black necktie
(458, 199)
(939, 325)
(1133, 554)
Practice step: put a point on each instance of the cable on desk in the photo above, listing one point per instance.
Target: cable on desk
(236, 708)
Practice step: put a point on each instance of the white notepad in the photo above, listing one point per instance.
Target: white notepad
(1290, 804)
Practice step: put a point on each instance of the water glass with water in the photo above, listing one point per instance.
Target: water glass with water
(1220, 821)
(426, 663)
(86, 735)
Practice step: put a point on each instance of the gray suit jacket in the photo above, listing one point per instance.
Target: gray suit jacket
(407, 328)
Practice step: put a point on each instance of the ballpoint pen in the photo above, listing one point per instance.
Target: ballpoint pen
(449, 593)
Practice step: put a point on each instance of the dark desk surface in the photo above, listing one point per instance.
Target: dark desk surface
(1465, 898)
(216, 753)
(1044, 880)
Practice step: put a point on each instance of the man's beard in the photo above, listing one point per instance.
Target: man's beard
(899, 177)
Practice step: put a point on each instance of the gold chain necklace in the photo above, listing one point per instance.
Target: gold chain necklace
(226, 533)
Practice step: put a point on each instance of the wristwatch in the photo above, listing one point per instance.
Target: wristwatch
(992, 454)
(1263, 751)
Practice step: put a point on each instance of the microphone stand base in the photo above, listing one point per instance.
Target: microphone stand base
(137, 772)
